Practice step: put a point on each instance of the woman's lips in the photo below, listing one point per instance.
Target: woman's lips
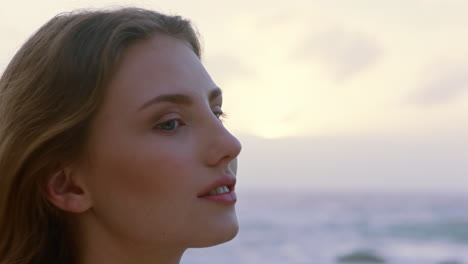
(225, 180)
(221, 191)
(228, 198)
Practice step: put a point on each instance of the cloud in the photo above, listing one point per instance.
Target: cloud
(344, 53)
(442, 83)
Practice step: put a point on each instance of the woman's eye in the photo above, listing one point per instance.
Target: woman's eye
(169, 125)
(220, 115)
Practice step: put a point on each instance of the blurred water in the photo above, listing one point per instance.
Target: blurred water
(320, 228)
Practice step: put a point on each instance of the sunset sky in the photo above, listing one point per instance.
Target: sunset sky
(324, 94)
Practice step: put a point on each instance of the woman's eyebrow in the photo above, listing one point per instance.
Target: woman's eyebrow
(180, 99)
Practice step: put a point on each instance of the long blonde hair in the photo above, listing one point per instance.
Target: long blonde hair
(49, 94)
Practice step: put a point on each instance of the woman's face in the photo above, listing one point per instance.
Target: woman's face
(157, 147)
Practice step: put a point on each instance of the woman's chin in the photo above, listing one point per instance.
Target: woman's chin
(218, 234)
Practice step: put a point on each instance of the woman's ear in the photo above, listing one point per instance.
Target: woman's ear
(65, 189)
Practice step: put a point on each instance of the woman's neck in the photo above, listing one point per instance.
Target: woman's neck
(97, 245)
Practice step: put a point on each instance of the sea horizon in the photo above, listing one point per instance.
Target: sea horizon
(333, 227)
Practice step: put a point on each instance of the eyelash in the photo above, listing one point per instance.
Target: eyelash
(220, 115)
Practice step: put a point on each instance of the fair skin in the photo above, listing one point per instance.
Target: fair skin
(134, 197)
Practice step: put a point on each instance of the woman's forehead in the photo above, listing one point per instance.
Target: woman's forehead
(160, 65)
(157, 58)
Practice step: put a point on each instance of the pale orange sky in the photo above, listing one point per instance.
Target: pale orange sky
(309, 68)
(322, 69)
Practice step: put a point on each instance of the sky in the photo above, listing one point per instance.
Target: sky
(325, 95)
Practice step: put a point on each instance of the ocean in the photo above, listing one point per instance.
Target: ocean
(354, 228)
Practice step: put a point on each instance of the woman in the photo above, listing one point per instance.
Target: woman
(111, 144)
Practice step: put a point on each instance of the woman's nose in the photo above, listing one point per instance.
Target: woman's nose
(222, 146)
